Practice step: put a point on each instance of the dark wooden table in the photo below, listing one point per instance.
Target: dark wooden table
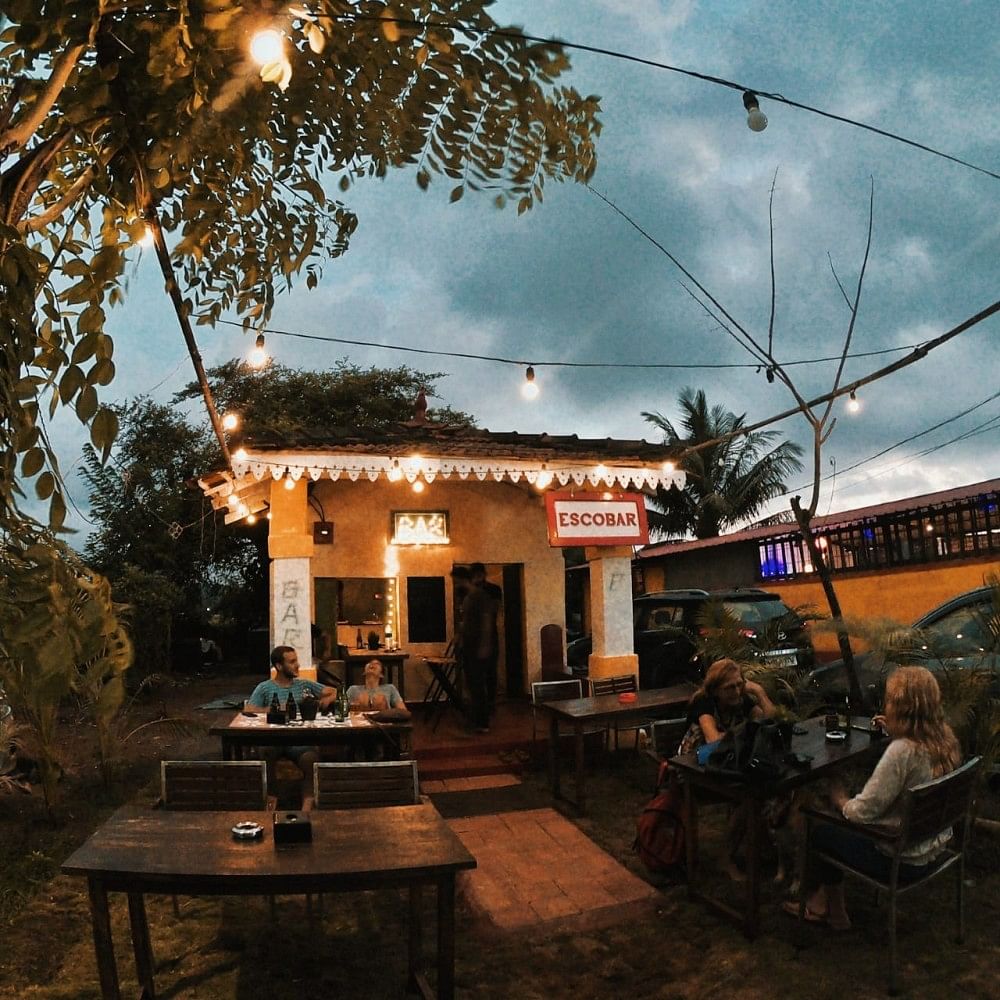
(827, 757)
(579, 713)
(393, 661)
(242, 732)
(142, 850)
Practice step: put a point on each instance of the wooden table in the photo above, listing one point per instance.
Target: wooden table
(142, 850)
(242, 732)
(653, 703)
(827, 758)
(393, 662)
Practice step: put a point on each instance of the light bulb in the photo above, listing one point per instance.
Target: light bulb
(146, 240)
(231, 421)
(756, 119)
(267, 47)
(251, 518)
(394, 474)
(240, 454)
(289, 483)
(418, 487)
(530, 388)
(258, 356)
(233, 500)
(668, 467)
(853, 404)
(544, 479)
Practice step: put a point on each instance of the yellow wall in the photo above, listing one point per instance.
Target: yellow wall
(489, 522)
(901, 595)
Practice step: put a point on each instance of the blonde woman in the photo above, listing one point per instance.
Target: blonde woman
(923, 747)
(723, 701)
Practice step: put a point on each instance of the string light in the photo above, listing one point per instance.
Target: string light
(418, 487)
(853, 403)
(233, 500)
(258, 356)
(756, 119)
(240, 454)
(267, 46)
(251, 518)
(530, 388)
(231, 421)
(543, 479)
(289, 483)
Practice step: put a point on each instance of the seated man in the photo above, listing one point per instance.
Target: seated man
(286, 681)
(376, 696)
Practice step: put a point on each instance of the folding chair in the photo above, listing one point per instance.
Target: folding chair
(929, 810)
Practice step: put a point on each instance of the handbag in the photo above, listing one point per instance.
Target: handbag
(751, 751)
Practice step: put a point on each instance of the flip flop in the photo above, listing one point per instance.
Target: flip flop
(791, 907)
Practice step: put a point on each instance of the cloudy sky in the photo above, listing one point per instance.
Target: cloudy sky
(572, 281)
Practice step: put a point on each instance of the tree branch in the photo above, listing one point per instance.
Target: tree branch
(56, 209)
(17, 136)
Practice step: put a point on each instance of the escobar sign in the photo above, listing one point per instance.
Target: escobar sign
(589, 519)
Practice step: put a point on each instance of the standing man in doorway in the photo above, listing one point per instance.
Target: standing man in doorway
(477, 573)
(477, 634)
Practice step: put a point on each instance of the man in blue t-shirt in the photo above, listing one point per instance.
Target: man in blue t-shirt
(286, 681)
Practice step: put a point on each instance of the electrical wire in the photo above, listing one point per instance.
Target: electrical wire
(521, 363)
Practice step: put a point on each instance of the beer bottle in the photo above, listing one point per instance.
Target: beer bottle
(359, 642)
(844, 718)
(291, 709)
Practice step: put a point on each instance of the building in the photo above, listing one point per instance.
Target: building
(366, 525)
(893, 560)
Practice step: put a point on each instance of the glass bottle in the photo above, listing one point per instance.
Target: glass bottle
(291, 709)
(359, 641)
(844, 717)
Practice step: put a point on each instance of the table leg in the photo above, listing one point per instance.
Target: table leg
(415, 953)
(104, 945)
(446, 938)
(141, 944)
(751, 921)
(581, 791)
(554, 755)
(691, 837)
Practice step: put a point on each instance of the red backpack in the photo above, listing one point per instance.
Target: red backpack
(659, 838)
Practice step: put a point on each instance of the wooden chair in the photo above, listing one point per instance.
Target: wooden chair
(665, 737)
(365, 784)
(214, 784)
(929, 810)
(617, 685)
(551, 691)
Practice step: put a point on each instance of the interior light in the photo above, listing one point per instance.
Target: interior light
(853, 403)
(530, 388)
(756, 119)
(267, 46)
(929, 528)
(231, 421)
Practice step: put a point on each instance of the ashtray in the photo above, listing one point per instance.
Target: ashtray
(836, 736)
(248, 830)
(627, 697)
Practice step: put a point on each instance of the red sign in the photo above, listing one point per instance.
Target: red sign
(595, 519)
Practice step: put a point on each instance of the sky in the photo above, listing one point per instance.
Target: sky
(572, 281)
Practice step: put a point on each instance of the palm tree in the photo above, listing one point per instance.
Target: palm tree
(727, 483)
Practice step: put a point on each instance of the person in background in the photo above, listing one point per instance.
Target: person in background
(923, 747)
(286, 681)
(376, 696)
(477, 576)
(476, 643)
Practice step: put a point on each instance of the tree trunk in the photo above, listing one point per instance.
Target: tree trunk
(823, 570)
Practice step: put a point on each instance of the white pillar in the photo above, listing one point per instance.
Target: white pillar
(290, 608)
(611, 612)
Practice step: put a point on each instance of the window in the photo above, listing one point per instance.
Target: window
(425, 620)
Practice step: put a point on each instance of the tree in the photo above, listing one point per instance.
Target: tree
(281, 400)
(127, 116)
(729, 481)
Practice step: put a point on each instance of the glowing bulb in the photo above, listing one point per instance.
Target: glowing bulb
(240, 454)
(269, 515)
(606, 496)
(267, 46)
(668, 467)
(289, 483)
(251, 518)
(543, 480)
(233, 500)
(146, 240)
(230, 421)
(258, 356)
(756, 119)
(418, 487)
(853, 404)
(530, 388)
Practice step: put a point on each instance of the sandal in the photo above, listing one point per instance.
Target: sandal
(791, 907)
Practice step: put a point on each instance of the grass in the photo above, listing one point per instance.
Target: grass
(230, 948)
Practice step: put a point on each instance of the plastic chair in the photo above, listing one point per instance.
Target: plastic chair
(929, 810)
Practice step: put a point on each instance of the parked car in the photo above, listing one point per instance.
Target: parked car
(964, 632)
(666, 631)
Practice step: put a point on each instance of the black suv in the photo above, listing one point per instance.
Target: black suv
(961, 633)
(666, 630)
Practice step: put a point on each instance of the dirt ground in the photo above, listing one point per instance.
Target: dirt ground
(230, 948)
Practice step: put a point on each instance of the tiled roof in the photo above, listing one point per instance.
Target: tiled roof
(842, 519)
